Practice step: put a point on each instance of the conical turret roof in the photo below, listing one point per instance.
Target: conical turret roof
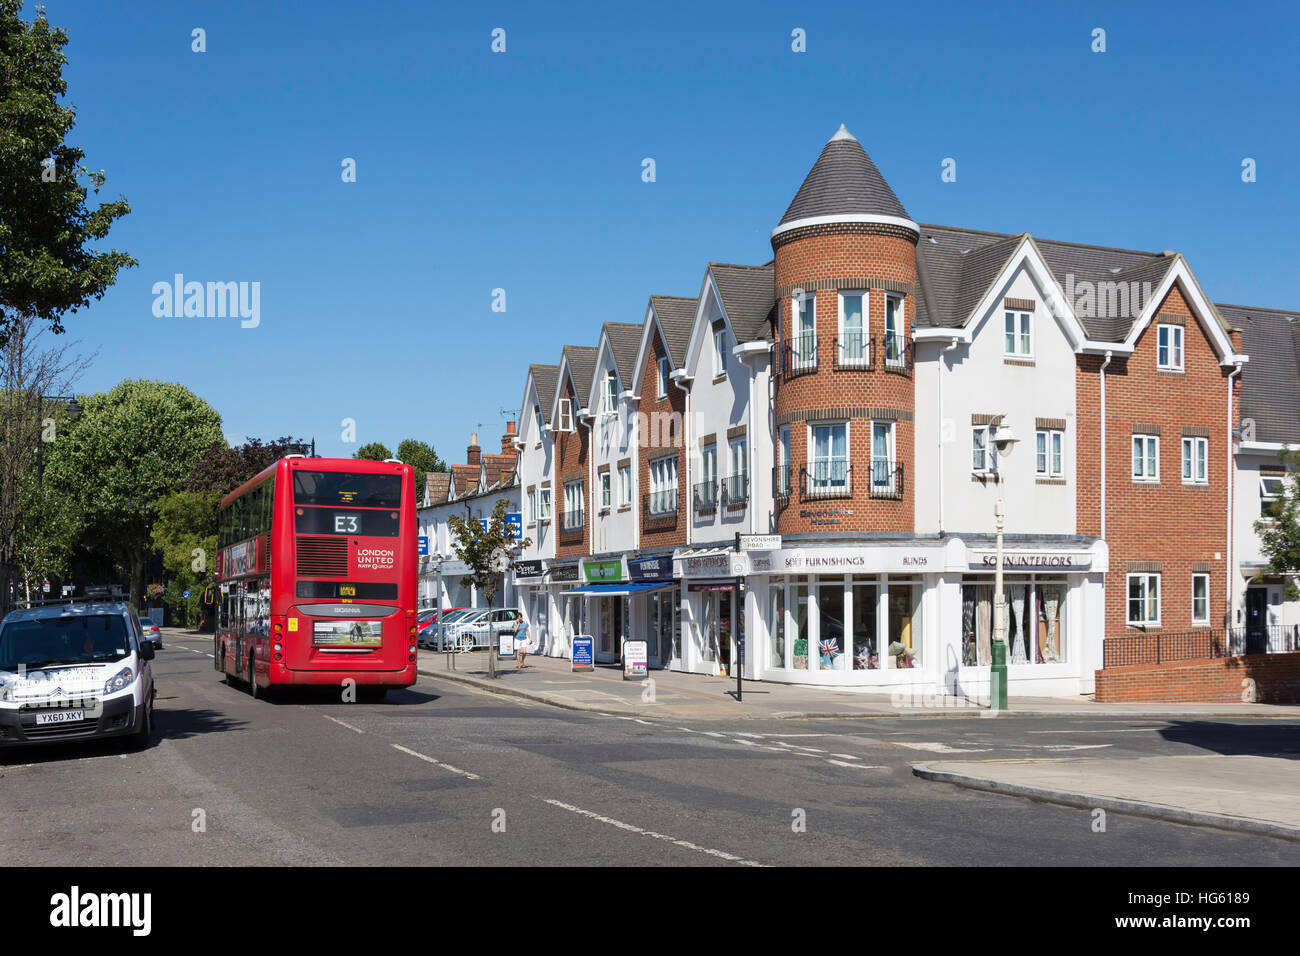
(843, 182)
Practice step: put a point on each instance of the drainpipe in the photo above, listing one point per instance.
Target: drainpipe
(943, 362)
(679, 378)
(1109, 355)
(1232, 572)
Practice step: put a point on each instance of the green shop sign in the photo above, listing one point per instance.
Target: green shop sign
(596, 572)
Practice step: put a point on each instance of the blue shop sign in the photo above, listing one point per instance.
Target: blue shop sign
(658, 568)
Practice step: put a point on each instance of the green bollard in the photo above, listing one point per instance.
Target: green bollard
(998, 687)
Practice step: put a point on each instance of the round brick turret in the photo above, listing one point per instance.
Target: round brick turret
(846, 232)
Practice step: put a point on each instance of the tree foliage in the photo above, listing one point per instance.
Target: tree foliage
(1279, 533)
(373, 451)
(127, 451)
(420, 456)
(477, 543)
(47, 268)
(222, 468)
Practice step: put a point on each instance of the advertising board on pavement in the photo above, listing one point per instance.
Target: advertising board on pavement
(583, 646)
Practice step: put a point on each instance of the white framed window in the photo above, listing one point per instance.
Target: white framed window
(984, 454)
(532, 505)
(624, 485)
(895, 323)
(1169, 347)
(1270, 493)
(537, 420)
(803, 341)
(1195, 452)
(854, 346)
(882, 457)
(574, 509)
(828, 458)
(1049, 460)
(783, 474)
(604, 490)
(737, 484)
(720, 351)
(611, 393)
(1146, 457)
(663, 485)
(1017, 334)
(665, 369)
(566, 415)
(1200, 599)
(1144, 600)
(544, 505)
(708, 462)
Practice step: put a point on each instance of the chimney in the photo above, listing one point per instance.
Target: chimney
(508, 440)
(473, 454)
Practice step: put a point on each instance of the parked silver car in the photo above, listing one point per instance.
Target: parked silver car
(479, 628)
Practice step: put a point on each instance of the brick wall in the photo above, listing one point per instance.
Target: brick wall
(654, 438)
(570, 462)
(812, 262)
(1261, 678)
(1180, 527)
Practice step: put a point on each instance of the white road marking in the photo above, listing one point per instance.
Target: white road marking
(846, 757)
(939, 748)
(856, 766)
(1066, 746)
(436, 763)
(343, 723)
(1125, 730)
(651, 833)
(213, 656)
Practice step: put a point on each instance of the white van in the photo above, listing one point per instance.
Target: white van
(75, 672)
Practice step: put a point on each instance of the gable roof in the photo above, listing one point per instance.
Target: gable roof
(464, 479)
(544, 379)
(497, 469)
(748, 297)
(844, 182)
(624, 341)
(676, 315)
(435, 486)
(1270, 384)
(581, 360)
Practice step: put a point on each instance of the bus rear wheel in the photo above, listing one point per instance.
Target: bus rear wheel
(253, 689)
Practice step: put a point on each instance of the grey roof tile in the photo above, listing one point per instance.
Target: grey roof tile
(544, 379)
(582, 366)
(844, 181)
(624, 343)
(1270, 382)
(748, 298)
(677, 318)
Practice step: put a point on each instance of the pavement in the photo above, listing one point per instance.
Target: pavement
(672, 694)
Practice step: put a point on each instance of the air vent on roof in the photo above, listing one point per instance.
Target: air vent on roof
(1113, 270)
(932, 239)
(964, 251)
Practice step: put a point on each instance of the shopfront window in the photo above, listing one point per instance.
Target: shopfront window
(708, 625)
(776, 629)
(799, 605)
(830, 609)
(901, 651)
(866, 650)
(1036, 610)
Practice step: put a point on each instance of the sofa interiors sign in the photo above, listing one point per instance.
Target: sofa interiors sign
(1032, 560)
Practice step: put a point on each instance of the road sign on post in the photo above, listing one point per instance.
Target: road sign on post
(515, 524)
(423, 541)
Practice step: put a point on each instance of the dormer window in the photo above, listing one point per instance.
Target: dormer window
(720, 351)
(611, 393)
(1018, 339)
(537, 417)
(664, 370)
(566, 415)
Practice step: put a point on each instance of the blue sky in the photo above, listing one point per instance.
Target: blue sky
(522, 171)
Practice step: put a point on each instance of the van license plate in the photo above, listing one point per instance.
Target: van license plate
(60, 717)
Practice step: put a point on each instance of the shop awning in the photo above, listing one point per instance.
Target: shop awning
(621, 590)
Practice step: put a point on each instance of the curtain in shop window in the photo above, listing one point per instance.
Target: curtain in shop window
(1049, 596)
(1016, 628)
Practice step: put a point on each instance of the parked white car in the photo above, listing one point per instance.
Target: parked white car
(479, 628)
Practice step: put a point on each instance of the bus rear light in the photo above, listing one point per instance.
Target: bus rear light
(411, 658)
(412, 630)
(278, 656)
(279, 647)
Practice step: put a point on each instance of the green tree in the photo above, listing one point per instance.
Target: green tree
(1279, 533)
(185, 531)
(374, 451)
(127, 451)
(47, 268)
(489, 550)
(420, 456)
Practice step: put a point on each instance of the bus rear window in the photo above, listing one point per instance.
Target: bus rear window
(343, 488)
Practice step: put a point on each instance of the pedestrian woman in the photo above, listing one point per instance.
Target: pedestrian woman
(521, 640)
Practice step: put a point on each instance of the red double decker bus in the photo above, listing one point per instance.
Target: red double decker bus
(315, 573)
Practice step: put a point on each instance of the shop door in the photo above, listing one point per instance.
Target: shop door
(1256, 620)
(724, 631)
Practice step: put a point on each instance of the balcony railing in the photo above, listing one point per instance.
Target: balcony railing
(706, 496)
(660, 505)
(886, 479)
(735, 490)
(800, 356)
(781, 485)
(830, 478)
(1200, 644)
(853, 351)
(896, 352)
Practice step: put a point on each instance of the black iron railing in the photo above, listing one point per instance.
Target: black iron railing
(1204, 643)
(735, 490)
(799, 357)
(829, 478)
(781, 485)
(706, 496)
(853, 351)
(886, 479)
(896, 354)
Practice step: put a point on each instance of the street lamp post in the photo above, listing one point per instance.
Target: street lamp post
(500, 563)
